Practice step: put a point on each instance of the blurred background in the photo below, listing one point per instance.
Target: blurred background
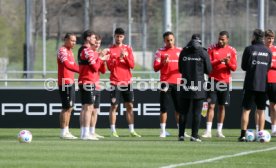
(33, 30)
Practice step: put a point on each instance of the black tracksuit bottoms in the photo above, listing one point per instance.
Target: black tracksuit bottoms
(186, 106)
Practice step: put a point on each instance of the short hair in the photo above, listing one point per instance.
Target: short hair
(68, 35)
(224, 33)
(119, 31)
(98, 37)
(196, 37)
(167, 33)
(258, 34)
(269, 33)
(87, 33)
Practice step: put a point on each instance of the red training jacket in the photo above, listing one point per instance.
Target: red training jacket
(66, 66)
(272, 71)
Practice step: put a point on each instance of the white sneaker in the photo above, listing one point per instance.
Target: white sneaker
(273, 134)
(207, 134)
(98, 136)
(186, 135)
(89, 137)
(68, 135)
(220, 135)
(163, 135)
(167, 133)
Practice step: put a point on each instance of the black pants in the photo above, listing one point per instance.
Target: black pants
(195, 106)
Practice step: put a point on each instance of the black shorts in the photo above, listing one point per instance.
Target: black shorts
(253, 97)
(169, 93)
(67, 95)
(87, 93)
(125, 91)
(97, 98)
(220, 95)
(271, 92)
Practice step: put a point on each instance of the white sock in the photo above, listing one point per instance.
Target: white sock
(85, 131)
(62, 131)
(257, 128)
(92, 130)
(177, 126)
(131, 127)
(81, 130)
(209, 126)
(112, 128)
(66, 129)
(273, 128)
(219, 127)
(163, 127)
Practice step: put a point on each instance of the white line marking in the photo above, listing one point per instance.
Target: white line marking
(218, 158)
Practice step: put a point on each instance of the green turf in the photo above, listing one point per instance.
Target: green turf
(47, 150)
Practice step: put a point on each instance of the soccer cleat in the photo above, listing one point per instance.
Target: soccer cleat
(114, 134)
(134, 134)
(195, 139)
(167, 133)
(68, 136)
(273, 134)
(242, 139)
(181, 138)
(163, 135)
(89, 138)
(220, 135)
(207, 134)
(186, 135)
(98, 136)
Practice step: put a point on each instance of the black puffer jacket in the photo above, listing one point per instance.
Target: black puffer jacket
(193, 63)
(256, 61)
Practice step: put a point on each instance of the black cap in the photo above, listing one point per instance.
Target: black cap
(196, 37)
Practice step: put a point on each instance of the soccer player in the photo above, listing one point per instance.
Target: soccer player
(256, 61)
(271, 82)
(89, 64)
(224, 60)
(120, 63)
(66, 69)
(166, 61)
(194, 62)
(97, 98)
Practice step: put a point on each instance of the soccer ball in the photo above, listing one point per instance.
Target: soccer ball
(25, 136)
(263, 136)
(250, 135)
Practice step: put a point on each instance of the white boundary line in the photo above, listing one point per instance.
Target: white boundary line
(218, 158)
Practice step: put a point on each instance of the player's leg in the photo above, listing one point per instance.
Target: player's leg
(223, 102)
(87, 100)
(114, 96)
(67, 94)
(272, 107)
(211, 98)
(247, 104)
(94, 116)
(184, 109)
(271, 93)
(164, 100)
(260, 100)
(197, 105)
(128, 98)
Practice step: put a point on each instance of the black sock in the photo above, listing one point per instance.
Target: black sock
(243, 133)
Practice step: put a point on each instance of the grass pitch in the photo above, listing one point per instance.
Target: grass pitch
(150, 151)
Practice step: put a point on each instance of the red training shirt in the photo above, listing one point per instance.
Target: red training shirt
(272, 71)
(66, 66)
(222, 71)
(90, 67)
(169, 71)
(120, 73)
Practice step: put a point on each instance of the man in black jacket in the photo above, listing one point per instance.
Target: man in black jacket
(193, 63)
(256, 62)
